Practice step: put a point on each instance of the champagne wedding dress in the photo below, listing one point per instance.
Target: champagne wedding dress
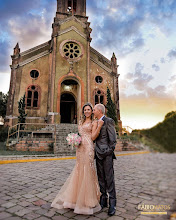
(81, 190)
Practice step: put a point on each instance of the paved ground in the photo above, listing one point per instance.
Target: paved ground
(27, 189)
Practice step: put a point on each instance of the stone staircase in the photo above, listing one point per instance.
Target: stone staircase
(61, 147)
(128, 145)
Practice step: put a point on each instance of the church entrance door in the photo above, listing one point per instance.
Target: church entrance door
(68, 109)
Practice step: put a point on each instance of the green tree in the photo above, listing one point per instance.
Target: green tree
(111, 108)
(170, 114)
(3, 103)
(21, 110)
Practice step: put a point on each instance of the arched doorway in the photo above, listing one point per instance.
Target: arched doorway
(71, 84)
(68, 108)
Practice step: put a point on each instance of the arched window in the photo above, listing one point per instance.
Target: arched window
(32, 98)
(99, 97)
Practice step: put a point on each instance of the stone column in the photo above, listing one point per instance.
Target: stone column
(116, 90)
(88, 72)
(15, 62)
(52, 68)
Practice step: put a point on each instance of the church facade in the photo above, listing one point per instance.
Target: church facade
(59, 76)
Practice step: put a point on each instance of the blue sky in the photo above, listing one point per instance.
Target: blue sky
(141, 33)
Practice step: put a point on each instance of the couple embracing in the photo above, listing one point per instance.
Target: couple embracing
(82, 191)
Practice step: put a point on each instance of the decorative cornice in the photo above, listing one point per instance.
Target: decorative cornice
(35, 118)
(10, 117)
(34, 48)
(100, 55)
(72, 28)
(69, 19)
(33, 58)
(101, 65)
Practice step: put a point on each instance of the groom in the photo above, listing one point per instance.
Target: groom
(104, 154)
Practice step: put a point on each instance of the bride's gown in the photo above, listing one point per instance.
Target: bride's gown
(81, 190)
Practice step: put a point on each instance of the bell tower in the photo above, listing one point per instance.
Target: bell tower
(71, 7)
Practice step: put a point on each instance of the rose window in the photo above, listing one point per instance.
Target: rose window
(71, 50)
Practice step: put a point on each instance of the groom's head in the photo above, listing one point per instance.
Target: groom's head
(99, 110)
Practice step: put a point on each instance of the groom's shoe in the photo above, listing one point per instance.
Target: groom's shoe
(112, 207)
(104, 202)
(111, 210)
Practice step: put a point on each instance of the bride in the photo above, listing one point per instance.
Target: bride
(81, 190)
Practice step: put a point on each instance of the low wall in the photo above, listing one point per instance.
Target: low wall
(125, 145)
(46, 145)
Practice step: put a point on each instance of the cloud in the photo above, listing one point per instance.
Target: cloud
(162, 60)
(17, 8)
(4, 56)
(20, 8)
(118, 25)
(172, 54)
(159, 92)
(139, 79)
(26, 22)
(137, 85)
(156, 67)
(35, 31)
(172, 78)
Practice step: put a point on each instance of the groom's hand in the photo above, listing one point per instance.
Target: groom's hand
(100, 123)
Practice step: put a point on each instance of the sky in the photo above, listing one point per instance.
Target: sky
(142, 35)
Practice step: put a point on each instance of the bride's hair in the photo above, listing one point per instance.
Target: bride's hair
(83, 118)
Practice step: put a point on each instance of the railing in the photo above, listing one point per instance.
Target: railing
(126, 129)
(23, 130)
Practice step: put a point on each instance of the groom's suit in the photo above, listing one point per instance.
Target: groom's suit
(104, 154)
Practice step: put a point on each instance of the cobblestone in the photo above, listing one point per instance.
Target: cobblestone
(27, 189)
(4, 215)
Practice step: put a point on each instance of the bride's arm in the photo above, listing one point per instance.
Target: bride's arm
(96, 127)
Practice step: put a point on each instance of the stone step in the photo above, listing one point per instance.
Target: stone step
(62, 131)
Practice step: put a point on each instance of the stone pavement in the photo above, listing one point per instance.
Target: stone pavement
(27, 189)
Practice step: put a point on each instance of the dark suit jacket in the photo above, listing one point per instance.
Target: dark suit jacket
(106, 141)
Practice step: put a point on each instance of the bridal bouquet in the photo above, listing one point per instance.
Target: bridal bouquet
(73, 139)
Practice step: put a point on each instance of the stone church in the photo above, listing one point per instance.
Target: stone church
(59, 76)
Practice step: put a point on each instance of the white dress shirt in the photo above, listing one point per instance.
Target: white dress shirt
(101, 118)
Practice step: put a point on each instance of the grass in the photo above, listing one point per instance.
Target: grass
(161, 137)
(131, 137)
(164, 133)
(137, 138)
(152, 145)
(5, 152)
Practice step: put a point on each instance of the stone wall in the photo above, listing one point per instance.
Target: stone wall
(36, 144)
(127, 145)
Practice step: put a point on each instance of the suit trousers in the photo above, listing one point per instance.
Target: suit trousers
(105, 172)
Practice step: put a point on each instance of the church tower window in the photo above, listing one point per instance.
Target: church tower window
(74, 5)
(69, 3)
(33, 93)
(70, 6)
(34, 74)
(99, 97)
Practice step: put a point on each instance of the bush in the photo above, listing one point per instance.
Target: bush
(164, 133)
(3, 133)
